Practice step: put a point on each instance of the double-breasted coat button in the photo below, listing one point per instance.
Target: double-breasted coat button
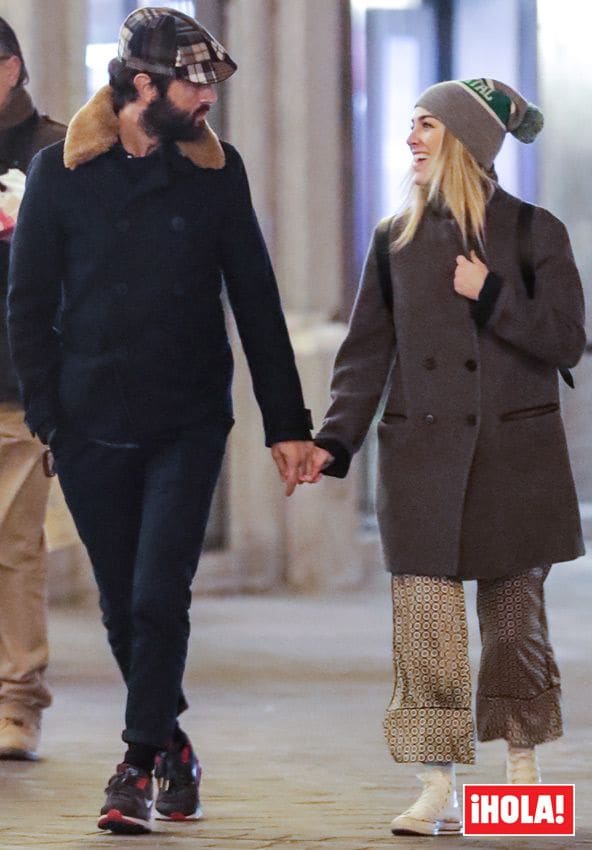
(122, 225)
(429, 363)
(178, 223)
(471, 365)
(471, 419)
(429, 419)
(178, 289)
(121, 289)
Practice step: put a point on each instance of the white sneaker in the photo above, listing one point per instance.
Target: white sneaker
(435, 812)
(522, 767)
(19, 738)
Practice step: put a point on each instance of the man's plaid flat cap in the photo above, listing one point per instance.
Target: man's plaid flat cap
(165, 41)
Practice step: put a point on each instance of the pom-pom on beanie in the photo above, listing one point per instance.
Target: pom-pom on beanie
(480, 113)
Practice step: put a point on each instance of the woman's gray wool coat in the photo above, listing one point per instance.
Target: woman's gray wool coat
(474, 476)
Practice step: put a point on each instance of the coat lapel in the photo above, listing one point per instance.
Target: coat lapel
(105, 183)
(114, 189)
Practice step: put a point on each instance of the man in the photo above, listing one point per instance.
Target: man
(128, 228)
(23, 486)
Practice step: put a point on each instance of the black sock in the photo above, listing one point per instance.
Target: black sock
(141, 755)
(179, 738)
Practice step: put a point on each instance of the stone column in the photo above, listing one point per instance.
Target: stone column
(285, 116)
(310, 180)
(250, 102)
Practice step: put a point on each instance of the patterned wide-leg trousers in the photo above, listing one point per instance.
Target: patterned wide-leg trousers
(518, 691)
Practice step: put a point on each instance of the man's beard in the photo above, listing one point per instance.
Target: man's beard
(165, 121)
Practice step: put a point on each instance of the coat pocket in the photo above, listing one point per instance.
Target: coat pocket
(389, 416)
(529, 412)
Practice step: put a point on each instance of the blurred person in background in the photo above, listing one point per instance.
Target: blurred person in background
(24, 487)
(134, 221)
(469, 305)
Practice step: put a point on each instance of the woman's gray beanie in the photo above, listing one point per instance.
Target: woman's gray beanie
(480, 113)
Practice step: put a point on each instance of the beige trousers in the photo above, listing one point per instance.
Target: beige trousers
(518, 690)
(24, 491)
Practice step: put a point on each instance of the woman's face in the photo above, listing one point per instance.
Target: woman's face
(424, 142)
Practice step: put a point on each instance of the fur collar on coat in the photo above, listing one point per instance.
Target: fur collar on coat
(95, 129)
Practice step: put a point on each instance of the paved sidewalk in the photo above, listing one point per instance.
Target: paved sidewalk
(287, 699)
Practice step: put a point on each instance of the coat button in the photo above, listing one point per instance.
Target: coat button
(429, 419)
(122, 225)
(471, 419)
(178, 289)
(121, 289)
(429, 363)
(471, 365)
(178, 223)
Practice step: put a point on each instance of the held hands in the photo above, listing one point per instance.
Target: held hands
(290, 458)
(316, 461)
(299, 462)
(469, 276)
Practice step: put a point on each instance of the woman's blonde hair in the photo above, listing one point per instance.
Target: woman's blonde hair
(458, 184)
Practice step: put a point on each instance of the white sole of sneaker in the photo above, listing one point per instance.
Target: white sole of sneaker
(403, 825)
(452, 827)
(123, 824)
(16, 754)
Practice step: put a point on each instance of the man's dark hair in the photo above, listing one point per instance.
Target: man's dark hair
(9, 46)
(121, 80)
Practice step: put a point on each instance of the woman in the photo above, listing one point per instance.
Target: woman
(474, 477)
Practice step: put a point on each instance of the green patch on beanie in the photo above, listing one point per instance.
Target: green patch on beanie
(498, 102)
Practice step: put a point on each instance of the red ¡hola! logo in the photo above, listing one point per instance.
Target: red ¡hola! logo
(518, 809)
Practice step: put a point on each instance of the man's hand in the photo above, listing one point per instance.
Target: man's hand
(469, 276)
(290, 459)
(317, 460)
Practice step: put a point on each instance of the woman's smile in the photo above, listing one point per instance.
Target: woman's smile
(424, 143)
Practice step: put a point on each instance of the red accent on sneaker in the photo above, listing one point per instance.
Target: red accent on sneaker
(112, 815)
(142, 782)
(185, 755)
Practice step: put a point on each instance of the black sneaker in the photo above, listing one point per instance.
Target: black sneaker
(178, 774)
(128, 807)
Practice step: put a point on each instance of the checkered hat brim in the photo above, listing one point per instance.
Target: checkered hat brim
(165, 41)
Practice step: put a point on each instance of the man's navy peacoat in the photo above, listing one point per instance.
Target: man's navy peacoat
(116, 321)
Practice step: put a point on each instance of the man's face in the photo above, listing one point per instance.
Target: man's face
(10, 69)
(180, 115)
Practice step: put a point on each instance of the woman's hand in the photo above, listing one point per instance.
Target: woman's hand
(469, 276)
(316, 461)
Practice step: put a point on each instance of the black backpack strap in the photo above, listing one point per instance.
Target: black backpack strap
(382, 258)
(567, 377)
(525, 216)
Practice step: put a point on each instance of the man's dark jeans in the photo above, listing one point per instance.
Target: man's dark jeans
(141, 511)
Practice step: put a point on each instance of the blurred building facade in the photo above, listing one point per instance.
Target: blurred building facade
(319, 110)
